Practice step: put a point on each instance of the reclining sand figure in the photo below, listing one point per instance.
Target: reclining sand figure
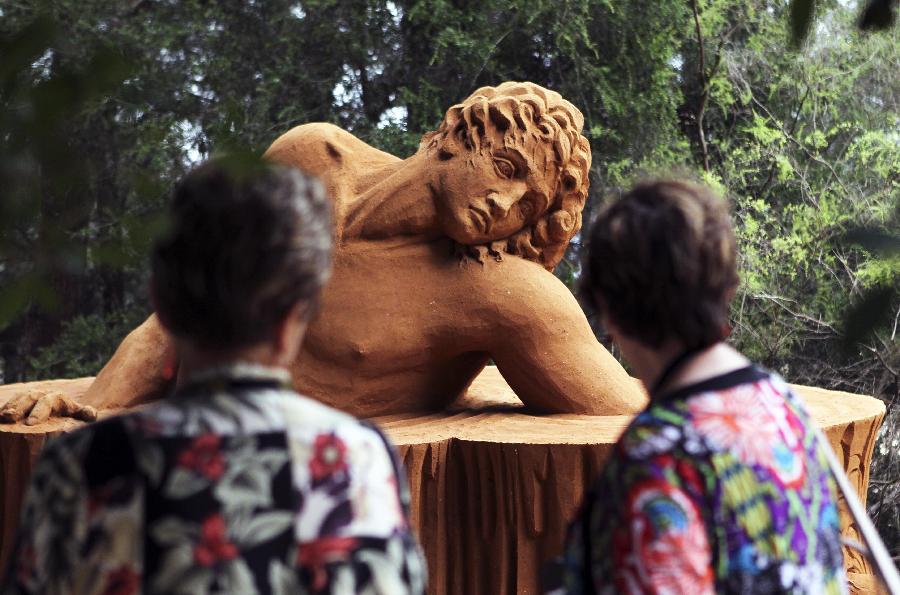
(442, 263)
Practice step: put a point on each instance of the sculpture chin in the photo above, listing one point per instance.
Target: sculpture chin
(476, 227)
(469, 231)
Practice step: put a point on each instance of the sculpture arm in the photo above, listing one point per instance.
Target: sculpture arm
(141, 370)
(545, 349)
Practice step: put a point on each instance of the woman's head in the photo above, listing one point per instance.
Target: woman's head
(662, 264)
(249, 244)
(533, 133)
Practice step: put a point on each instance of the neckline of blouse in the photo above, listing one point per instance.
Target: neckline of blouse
(238, 373)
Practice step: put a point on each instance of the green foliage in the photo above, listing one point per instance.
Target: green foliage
(34, 163)
(83, 345)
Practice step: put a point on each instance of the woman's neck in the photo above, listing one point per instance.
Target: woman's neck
(193, 360)
(707, 363)
(651, 363)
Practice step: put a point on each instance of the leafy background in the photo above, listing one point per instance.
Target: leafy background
(789, 109)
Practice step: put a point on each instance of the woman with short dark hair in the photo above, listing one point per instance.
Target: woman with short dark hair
(720, 484)
(235, 483)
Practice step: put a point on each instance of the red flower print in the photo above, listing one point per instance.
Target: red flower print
(661, 546)
(665, 461)
(122, 581)
(316, 554)
(329, 456)
(214, 545)
(788, 462)
(689, 475)
(204, 456)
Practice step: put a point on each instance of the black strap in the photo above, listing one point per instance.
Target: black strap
(674, 366)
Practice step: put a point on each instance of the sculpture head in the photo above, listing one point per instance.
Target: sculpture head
(511, 169)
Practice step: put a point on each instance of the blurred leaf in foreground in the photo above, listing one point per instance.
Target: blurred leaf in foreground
(877, 241)
(878, 15)
(46, 84)
(802, 14)
(872, 311)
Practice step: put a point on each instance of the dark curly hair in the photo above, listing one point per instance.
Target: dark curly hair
(661, 263)
(518, 115)
(249, 240)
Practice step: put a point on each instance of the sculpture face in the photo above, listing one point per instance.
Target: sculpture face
(508, 168)
(498, 194)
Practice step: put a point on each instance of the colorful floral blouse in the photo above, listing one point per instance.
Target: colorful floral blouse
(717, 487)
(234, 485)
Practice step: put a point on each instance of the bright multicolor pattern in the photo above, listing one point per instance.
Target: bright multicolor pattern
(718, 487)
(232, 486)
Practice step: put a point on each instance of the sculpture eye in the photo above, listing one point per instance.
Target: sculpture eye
(504, 167)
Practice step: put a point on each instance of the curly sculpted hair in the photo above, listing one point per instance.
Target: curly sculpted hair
(521, 115)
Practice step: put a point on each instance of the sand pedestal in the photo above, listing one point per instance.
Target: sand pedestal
(492, 488)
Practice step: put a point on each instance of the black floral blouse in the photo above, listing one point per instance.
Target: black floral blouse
(234, 485)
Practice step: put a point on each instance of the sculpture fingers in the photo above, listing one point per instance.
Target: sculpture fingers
(42, 409)
(19, 406)
(68, 407)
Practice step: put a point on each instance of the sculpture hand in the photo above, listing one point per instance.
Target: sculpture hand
(36, 406)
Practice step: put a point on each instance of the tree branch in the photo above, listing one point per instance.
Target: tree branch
(704, 97)
(802, 147)
(488, 57)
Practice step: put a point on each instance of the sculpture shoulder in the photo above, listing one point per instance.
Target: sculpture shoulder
(321, 147)
(513, 290)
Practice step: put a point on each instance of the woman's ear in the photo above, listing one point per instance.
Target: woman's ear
(289, 333)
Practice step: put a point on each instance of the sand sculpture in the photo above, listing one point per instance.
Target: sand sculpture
(443, 262)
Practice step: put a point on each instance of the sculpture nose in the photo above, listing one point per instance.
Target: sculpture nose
(498, 205)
